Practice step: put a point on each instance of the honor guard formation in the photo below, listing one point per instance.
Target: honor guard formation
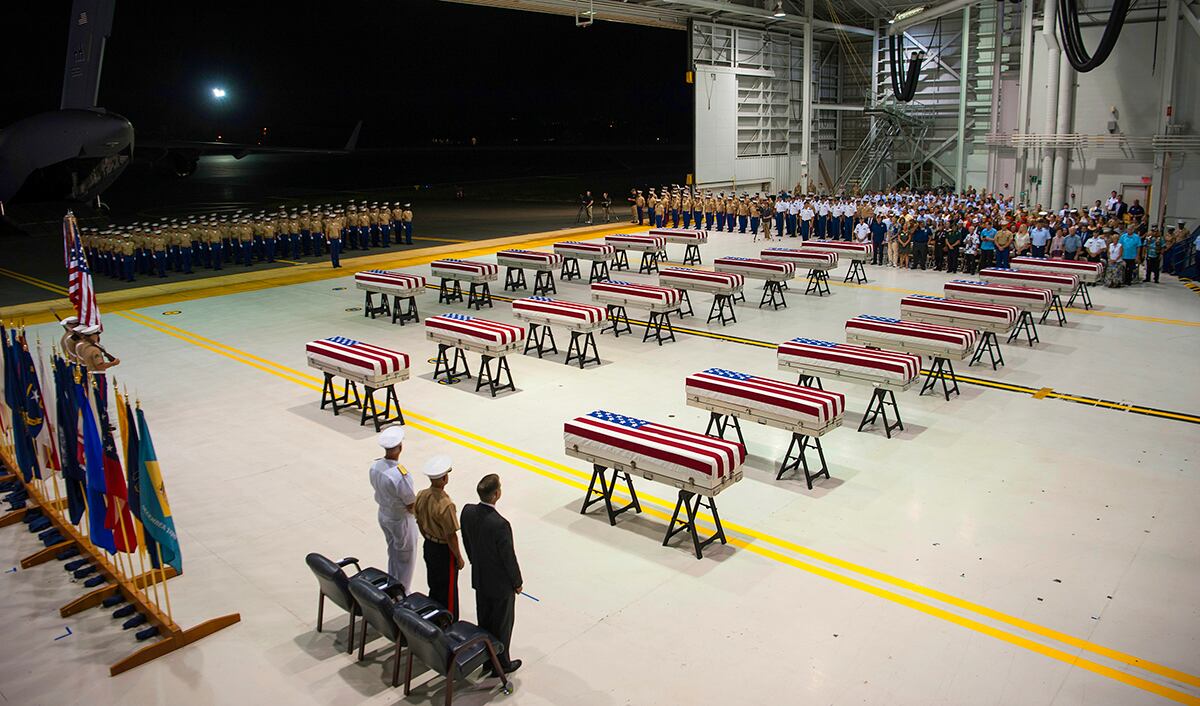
(212, 241)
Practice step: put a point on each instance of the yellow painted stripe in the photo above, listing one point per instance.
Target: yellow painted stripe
(1162, 670)
(441, 240)
(1041, 394)
(290, 262)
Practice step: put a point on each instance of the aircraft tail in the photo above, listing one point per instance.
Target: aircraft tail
(91, 24)
(352, 143)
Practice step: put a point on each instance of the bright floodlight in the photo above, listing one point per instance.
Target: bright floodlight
(218, 93)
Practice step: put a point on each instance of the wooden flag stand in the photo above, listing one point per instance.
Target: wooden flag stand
(172, 638)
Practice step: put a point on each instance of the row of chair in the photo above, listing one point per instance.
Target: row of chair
(450, 648)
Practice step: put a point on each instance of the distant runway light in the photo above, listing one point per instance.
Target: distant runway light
(218, 93)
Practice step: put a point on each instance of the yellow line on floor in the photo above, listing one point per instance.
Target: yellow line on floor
(441, 240)
(290, 262)
(425, 424)
(1041, 394)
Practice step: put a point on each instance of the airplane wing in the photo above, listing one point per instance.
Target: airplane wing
(91, 24)
(239, 149)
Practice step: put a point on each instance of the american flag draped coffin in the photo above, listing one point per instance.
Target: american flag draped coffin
(809, 356)
(782, 405)
(547, 311)
(1086, 271)
(681, 236)
(1058, 283)
(851, 251)
(912, 336)
(466, 270)
(641, 296)
(531, 259)
(803, 258)
(1024, 298)
(701, 280)
(585, 251)
(474, 334)
(389, 282)
(997, 318)
(684, 459)
(642, 243)
(756, 269)
(354, 360)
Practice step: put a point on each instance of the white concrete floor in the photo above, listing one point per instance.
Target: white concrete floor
(1001, 550)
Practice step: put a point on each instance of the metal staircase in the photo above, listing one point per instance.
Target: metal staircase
(889, 121)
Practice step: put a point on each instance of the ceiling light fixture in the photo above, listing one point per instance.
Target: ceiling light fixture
(779, 9)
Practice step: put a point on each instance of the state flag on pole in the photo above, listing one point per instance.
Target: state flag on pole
(117, 518)
(131, 445)
(93, 454)
(68, 439)
(156, 512)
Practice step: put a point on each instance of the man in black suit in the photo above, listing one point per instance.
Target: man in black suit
(495, 575)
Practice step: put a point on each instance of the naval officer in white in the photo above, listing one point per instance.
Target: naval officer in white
(396, 498)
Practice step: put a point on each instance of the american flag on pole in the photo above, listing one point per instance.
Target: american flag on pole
(79, 275)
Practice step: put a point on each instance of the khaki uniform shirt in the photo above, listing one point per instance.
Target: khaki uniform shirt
(67, 345)
(90, 355)
(436, 516)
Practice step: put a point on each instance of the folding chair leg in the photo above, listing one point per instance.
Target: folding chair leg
(320, 610)
(396, 663)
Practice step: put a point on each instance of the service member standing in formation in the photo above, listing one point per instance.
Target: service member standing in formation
(437, 519)
(495, 575)
(396, 499)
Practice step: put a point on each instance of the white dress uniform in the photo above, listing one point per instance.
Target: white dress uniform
(394, 493)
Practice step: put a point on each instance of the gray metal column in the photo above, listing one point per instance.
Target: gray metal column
(1053, 66)
(1064, 125)
(1162, 162)
(1022, 177)
(806, 93)
(960, 168)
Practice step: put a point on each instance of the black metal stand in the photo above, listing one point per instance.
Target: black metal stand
(991, 345)
(543, 283)
(796, 460)
(1081, 290)
(449, 295)
(618, 321)
(685, 301)
(371, 310)
(691, 503)
(514, 279)
(621, 261)
(942, 369)
(1025, 325)
(772, 294)
(443, 367)
(881, 399)
(579, 353)
(402, 314)
(598, 271)
(365, 402)
(818, 281)
(480, 294)
(857, 272)
(649, 263)
(721, 422)
(722, 309)
(605, 493)
(372, 412)
(329, 397)
(659, 321)
(1056, 306)
(691, 254)
(810, 381)
(497, 381)
(543, 337)
(570, 269)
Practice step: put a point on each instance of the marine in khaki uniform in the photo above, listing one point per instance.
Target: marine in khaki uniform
(334, 226)
(687, 209)
(88, 350)
(437, 520)
(406, 222)
(70, 339)
(639, 207)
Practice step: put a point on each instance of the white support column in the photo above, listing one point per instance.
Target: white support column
(1053, 66)
(1021, 178)
(993, 178)
(1064, 125)
(1162, 161)
(806, 101)
(964, 52)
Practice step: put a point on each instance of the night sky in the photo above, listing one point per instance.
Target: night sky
(412, 70)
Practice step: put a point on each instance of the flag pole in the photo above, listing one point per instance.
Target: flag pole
(137, 520)
(166, 591)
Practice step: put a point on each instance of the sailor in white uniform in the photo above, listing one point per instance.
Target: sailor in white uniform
(396, 498)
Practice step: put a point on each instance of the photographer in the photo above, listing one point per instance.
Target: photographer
(585, 205)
